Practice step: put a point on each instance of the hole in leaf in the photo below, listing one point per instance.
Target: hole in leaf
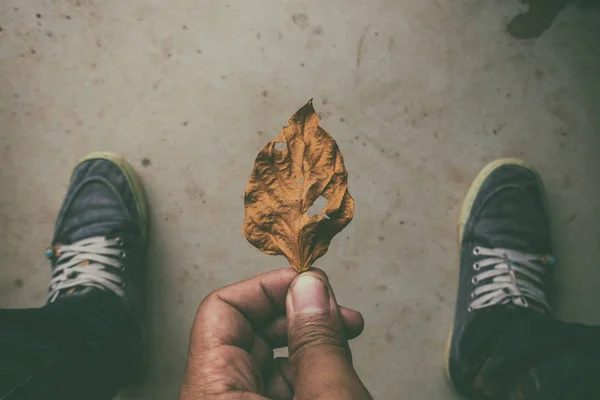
(280, 146)
(301, 181)
(317, 207)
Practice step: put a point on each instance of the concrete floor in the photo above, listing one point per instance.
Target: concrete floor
(419, 95)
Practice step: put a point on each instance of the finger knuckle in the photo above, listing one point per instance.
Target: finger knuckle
(314, 333)
(206, 303)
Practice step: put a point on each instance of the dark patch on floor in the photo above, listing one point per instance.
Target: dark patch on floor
(300, 20)
(146, 162)
(540, 15)
(389, 337)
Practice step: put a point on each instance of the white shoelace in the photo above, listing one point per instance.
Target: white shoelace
(91, 262)
(509, 276)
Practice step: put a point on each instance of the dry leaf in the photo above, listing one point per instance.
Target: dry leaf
(290, 173)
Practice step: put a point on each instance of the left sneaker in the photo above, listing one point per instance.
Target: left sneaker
(504, 255)
(101, 232)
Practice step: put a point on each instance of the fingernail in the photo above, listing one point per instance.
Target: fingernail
(309, 294)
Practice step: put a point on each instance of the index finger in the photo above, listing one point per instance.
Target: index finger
(229, 315)
(260, 298)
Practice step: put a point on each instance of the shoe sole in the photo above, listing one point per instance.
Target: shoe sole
(139, 194)
(465, 211)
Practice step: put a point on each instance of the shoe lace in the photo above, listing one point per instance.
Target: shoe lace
(509, 276)
(91, 262)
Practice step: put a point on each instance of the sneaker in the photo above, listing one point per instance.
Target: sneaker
(101, 232)
(504, 252)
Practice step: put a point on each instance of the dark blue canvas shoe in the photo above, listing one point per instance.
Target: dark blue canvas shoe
(101, 232)
(504, 253)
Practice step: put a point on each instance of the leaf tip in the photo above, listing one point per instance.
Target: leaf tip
(304, 112)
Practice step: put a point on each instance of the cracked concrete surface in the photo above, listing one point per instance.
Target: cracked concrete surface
(419, 96)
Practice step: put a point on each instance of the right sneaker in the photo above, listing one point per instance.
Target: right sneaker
(504, 253)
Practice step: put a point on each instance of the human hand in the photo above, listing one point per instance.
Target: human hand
(237, 327)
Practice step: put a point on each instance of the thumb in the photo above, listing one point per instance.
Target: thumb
(318, 351)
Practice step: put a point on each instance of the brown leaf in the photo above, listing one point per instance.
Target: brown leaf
(290, 173)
